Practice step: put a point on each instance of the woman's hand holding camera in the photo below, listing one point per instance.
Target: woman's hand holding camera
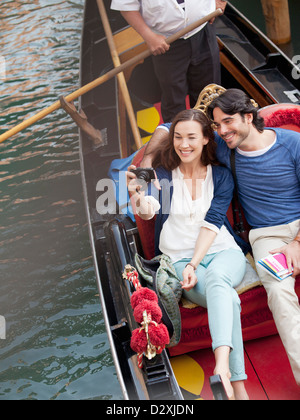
(143, 177)
(133, 184)
(137, 180)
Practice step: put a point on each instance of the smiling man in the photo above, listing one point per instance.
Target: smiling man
(267, 162)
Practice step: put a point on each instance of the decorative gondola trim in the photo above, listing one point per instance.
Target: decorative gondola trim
(141, 337)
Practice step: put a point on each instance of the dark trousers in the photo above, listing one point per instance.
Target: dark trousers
(188, 66)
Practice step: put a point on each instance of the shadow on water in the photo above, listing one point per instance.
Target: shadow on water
(56, 345)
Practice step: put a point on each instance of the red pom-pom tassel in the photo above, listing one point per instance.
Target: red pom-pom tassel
(152, 310)
(142, 294)
(158, 335)
(139, 341)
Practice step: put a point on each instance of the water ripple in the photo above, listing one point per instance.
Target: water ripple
(56, 345)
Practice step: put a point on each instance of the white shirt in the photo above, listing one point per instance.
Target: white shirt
(181, 230)
(167, 17)
(256, 152)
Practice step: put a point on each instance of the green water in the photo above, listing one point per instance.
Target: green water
(253, 10)
(56, 346)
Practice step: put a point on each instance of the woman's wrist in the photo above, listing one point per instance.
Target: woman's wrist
(192, 265)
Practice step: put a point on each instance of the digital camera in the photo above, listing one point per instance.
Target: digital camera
(145, 174)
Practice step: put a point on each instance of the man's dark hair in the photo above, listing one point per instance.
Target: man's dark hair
(235, 101)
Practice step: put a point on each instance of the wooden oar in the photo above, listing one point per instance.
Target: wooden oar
(120, 76)
(102, 79)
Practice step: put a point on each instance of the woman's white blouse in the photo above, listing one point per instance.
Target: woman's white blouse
(180, 231)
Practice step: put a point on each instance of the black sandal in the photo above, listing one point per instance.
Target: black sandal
(217, 388)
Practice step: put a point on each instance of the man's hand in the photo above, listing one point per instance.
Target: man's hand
(157, 43)
(219, 5)
(292, 254)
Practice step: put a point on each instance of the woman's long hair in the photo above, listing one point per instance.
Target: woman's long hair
(166, 156)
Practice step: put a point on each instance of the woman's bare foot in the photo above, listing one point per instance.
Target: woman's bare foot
(225, 376)
(222, 369)
(240, 392)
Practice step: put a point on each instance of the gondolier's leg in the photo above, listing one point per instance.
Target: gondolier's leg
(282, 298)
(205, 67)
(171, 71)
(188, 66)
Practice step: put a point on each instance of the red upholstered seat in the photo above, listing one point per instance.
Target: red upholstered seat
(257, 320)
(282, 115)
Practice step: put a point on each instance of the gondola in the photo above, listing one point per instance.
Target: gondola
(250, 61)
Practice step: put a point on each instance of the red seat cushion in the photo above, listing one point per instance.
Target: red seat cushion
(282, 115)
(257, 321)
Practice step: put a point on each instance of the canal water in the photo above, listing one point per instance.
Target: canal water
(55, 344)
(253, 10)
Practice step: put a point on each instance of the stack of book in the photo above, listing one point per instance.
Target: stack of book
(276, 265)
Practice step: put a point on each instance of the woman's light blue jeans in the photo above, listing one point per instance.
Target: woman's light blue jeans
(217, 275)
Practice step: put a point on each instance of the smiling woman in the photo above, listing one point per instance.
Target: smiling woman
(166, 155)
(188, 145)
(189, 228)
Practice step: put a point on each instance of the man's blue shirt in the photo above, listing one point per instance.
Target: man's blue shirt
(269, 184)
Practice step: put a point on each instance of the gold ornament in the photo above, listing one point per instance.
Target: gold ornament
(207, 95)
